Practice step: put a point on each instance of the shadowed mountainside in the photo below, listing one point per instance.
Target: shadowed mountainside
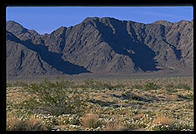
(51, 58)
(100, 45)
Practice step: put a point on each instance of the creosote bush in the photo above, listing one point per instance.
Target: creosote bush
(98, 85)
(183, 86)
(137, 86)
(151, 86)
(17, 83)
(52, 98)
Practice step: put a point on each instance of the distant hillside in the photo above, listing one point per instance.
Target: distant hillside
(100, 45)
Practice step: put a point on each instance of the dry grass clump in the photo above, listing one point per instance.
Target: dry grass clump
(163, 120)
(90, 120)
(138, 116)
(163, 123)
(172, 97)
(14, 124)
(61, 127)
(113, 126)
(33, 124)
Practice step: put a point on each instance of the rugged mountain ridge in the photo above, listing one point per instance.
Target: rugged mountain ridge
(100, 45)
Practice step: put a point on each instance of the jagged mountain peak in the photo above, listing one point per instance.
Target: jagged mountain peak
(103, 45)
(109, 19)
(15, 27)
(100, 19)
(60, 30)
(11, 22)
(161, 22)
(91, 19)
(184, 22)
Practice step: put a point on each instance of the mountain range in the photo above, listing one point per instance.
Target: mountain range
(100, 45)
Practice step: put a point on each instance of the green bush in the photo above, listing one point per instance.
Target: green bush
(151, 86)
(65, 84)
(191, 96)
(119, 86)
(17, 83)
(9, 84)
(52, 98)
(170, 88)
(90, 83)
(183, 86)
(108, 86)
(137, 86)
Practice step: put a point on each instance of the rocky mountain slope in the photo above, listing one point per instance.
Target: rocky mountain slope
(100, 45)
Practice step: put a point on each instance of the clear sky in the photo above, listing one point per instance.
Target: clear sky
(48, 19)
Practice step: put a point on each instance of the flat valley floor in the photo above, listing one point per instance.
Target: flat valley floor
(131, 104)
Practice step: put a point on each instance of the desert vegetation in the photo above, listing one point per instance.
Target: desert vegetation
(161, 104)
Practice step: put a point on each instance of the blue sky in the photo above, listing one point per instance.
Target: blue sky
(48, 19)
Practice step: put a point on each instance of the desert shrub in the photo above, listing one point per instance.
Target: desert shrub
(132, 96)
(9, 105)
(65, 84)
(170, 88)
(151, 86)
(90, 83)
(183, 86)
(190, 96)
(17, 83)
(68, 120)
(172, 127)
(90, 120)
(63, 119)
(118, 86)
(138, 116)
(108, 86)
(163, 123)
(113, 126)
(162, 128)
(8, 84)
(16, 125)
(163, 120)
(126, 95)
(74, 120)
(137, 86)
(33, 124)
(101, 103)
(51, 98)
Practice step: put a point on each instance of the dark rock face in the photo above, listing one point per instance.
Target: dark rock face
(101, 45)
